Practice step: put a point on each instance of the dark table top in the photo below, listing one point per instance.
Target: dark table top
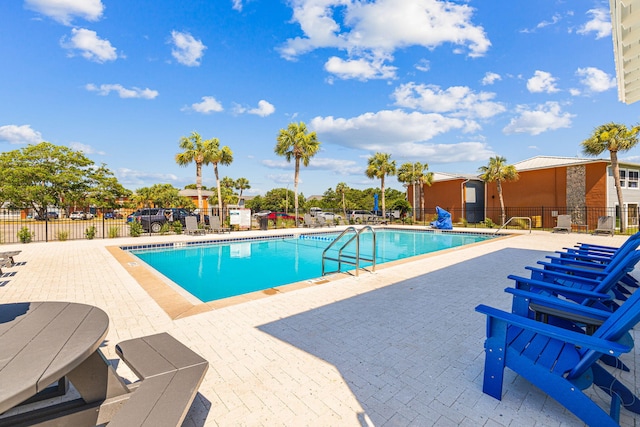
(41, 342)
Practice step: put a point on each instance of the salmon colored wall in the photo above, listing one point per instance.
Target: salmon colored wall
(545, 187)
(446, 194)
(596, 185)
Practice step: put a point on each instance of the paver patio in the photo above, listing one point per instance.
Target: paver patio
(402, 346)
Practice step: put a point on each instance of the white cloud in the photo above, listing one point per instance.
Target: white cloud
(374, 30)
(423, 65)
(131, 177)
(542, 81)
(64, 11)
(490, 78)
(264, 109)
(339, 166)
(458, 101)
(237, 5)
(595, 79)
(14, 134)
(444, 153)
(600, 23)
(186, 49)
(91, 46)
(122, 92)
(544, 117)
(361, 69)
(208, 105)
(384, 129)
(554, 20)
(87, 149)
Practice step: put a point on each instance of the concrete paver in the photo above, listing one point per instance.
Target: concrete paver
(402, 346)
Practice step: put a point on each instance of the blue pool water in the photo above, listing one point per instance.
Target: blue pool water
(220, 270)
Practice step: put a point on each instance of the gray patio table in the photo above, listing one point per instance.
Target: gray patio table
(42, 342)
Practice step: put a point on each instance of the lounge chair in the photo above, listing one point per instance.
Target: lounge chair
(564, 224)
(191, 226)
(561, 362)
(322, 222)
(216, 226)
(9, 256)
(309, 221)
(605, 226)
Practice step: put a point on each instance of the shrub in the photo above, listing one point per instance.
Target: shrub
(165, 228)
(489, 223)
(90, 232)
(177, 227)
(63, 235)
(113, 232)
(135, 229)
(25, 235)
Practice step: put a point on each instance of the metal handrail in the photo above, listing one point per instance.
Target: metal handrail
(514, 217)
(341, 257)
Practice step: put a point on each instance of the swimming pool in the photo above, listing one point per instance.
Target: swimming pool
(217, 270)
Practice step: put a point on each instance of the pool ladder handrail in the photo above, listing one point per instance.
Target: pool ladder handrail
(514, 217)
(350, 259)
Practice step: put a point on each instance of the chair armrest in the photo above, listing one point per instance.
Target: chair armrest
(596, 270)
(570, 308)
(587, 341)
(563, 290)
(569, 277)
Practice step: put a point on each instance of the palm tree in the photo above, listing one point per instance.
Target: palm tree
(615, 138)
(194, 152)
(415, 173)
(497, 170)
(378, 166)
(218, 155)
(242, 184)
(342, 188)
(295, 142)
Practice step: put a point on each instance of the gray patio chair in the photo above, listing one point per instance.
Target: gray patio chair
(605, 226)
(564, 224)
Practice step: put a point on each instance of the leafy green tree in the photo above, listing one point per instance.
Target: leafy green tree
(612, 137)
(341, 189)
(415, 173)
(497, 170)
(194, 151)
(297, 143)
(162, 195)
(379, 166)
(45, 175)
(242, 184)
(218, 156)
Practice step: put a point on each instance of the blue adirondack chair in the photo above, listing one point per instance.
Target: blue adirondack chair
(596, 257)
(561, 362)
(601, 282)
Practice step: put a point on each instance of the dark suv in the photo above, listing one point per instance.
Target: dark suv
(154, 219)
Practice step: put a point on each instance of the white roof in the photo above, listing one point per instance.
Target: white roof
(544, 162)
(625, 21)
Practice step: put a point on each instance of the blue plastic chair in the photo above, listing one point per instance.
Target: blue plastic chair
(561, 362)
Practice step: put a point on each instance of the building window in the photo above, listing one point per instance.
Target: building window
(623, 178)
(632, 179)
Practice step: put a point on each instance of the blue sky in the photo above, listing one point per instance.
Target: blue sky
(445, 83)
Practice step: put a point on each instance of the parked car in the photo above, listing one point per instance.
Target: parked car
(81, 215)
(153, 219)
(146, 212)
(360, 216)
(112, 215)
(257, 215)
(329, 216)
(281, 216)
(50, 215)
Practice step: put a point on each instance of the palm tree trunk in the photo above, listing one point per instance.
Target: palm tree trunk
(503, 215)
(295, 186)
(616, 179)
(199, 190)
(215, 170)
(344, 206)
(382, 191)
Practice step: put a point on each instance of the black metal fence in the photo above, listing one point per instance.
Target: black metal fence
(15, 227)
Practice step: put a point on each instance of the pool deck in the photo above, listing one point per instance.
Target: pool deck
(401, 346)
